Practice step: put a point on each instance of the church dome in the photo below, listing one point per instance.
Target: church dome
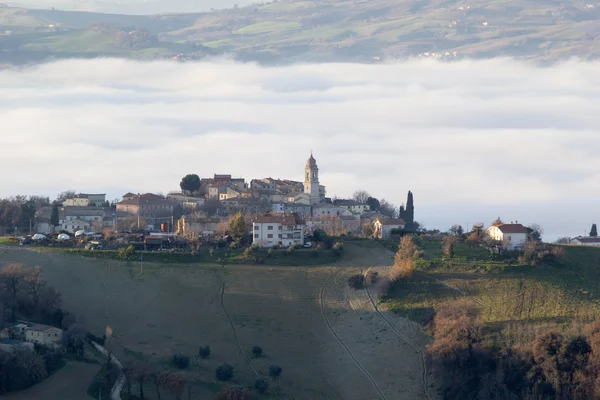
(311, 163)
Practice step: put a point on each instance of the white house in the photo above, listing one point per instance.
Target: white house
(512, 236)
(586, 241)
(45, 335)
(321, 209)
(382, 227)
(85, 200)
(353, 206)
(286, 230)
(73, 219)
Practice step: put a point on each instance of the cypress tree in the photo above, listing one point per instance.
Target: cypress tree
(54, 216)
(402, 213)
(594, 231)
(410, 208)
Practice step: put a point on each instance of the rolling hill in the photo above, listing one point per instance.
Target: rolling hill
(325, 30)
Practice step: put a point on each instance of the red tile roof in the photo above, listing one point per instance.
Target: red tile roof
(147, 198)
(392, 221)
(512, 228)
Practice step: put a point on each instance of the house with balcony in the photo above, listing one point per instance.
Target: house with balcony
(284, 230)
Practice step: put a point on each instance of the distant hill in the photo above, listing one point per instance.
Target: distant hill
(322, 30)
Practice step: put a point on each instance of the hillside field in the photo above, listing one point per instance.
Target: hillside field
(331, 341)
(319, 31)
(513, 300)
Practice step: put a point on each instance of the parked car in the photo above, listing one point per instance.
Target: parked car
(308, 244)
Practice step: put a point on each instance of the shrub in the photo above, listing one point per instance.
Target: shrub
(383, 288)
(257, 351)
(204, 352)
(356, 281)
(337, 248)
(371, 277)
(261, 386)
(275, 371)
(224, 372)
(181, 361)
(249, 253)
(126, 253)
(291, 249)
(270, 253)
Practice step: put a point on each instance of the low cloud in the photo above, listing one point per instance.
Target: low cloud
(481, 137)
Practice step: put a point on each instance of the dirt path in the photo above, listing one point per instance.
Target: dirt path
(330, 341)
(387, 349)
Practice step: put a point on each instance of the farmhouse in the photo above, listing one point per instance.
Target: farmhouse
(45, 335)
(586, 241)
(512, 236)
(382, 227)
(285, 230)
(353, 206)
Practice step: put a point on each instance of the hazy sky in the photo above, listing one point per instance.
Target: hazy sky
(132, 6)
(473, 140)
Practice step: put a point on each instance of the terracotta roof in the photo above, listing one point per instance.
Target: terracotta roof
(279, 219)
(391, 221)
(347, 203)
(588, 239)
(512, 228)
(147, 198)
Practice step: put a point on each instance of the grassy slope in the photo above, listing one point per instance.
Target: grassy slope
(566, 291)
(338, 29)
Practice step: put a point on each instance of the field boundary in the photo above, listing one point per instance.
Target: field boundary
(424, 380)
(339, 340)
(237, 339)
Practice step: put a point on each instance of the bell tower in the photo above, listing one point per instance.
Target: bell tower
(311, 180)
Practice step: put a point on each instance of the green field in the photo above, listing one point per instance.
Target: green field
(301, 30)
(504, 292)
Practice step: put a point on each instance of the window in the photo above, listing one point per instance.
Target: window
(256, 227)
(509, 238)
(270, 227)
(270, 236)
(256, 236)
(279, 227)
(280, 236)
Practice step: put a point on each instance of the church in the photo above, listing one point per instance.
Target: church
(312, 188)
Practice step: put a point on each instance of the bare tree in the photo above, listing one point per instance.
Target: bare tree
(387, 208)
(361, 196)
(173, 382)
(13, 277)
(50, 299)
(535, 232)
(35, 284)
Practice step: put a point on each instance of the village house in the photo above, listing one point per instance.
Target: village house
(192, 227)
(149, 210)
(352, 205)
(383, 227)
(220, 180)
(328, 209)
(585, 241)
(285, 230)
(297, 198)
(44, 335)
(186, 202)
(512, 236)
(73, 219)
(86, 200)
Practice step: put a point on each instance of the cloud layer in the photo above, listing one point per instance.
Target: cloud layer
(472, 139)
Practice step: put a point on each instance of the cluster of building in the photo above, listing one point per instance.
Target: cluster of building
(24, 336)
(273, 204)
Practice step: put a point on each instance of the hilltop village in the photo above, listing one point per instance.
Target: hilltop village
(282, 212)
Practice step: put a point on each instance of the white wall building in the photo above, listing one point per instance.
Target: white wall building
(586, 241)
(382, 227)
(512, 236)
(45, 335)
(85, 200)
(286, 230)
